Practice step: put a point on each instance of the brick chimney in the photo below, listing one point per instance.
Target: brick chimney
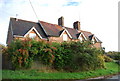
(61, 21)
(76, 25)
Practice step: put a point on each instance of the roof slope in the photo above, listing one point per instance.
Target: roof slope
(56, 30)
(97, 40)
(73, 32)
(21, 27)
(51, 29)
(87, 34)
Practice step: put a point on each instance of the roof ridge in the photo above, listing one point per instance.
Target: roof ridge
(48, 22)
(56, 24)
(79, 30)
(85, 31)
(23, 20)
(69, 28)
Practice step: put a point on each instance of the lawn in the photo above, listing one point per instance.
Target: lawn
(111, 68)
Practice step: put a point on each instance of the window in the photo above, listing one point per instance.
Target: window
(80, 38)
(64, 37)
(93, 40)
(32, 35)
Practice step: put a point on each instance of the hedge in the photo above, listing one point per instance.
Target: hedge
(68, 56)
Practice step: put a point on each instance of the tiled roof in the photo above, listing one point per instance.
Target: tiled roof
(51, 29)
(56, 30)
(97, 40)
(45, 29)
(21, 27)
(73, 32)
(86, 33)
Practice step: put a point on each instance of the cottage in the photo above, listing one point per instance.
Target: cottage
(20, 29)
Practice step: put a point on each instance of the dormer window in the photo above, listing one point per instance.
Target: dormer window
(64, 37)
(32, 35)
(93, 40)
(81, 39)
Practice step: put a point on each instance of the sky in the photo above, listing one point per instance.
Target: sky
(97, 16)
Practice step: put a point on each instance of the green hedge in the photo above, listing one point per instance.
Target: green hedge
(77, 56)
(68, 56)
(114, 55)
(107, 58)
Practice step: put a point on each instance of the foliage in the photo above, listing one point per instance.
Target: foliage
(62, 55)
(46, 52)
(88, 58)
(77, 56)
(1, 48)
(21, 53)
(107, 59)
(68, 56)
(114, 55)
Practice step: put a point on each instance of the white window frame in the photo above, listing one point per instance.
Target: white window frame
(93, 40)
(83, 36)
(33, 28)
(65, 37)
(32, 35)
(81, 39)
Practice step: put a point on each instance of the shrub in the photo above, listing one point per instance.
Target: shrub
(62, 56)
(113, 55)
(89, 60)
(74, 56)
(21, 53)
(107, 59)
(46, 52)
(68, 56)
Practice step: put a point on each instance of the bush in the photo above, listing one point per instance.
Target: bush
(46, 52)
(21, 53)
(62, 56)
(68, 56)
(90, 59)
(114, 55)
(77, 56)
(107, 59)
(2, 47)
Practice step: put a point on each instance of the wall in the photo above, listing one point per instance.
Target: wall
(97, 45)
(59, 39)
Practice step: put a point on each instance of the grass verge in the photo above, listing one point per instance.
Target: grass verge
(111, 68)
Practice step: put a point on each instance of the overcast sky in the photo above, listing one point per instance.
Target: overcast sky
(97, 16)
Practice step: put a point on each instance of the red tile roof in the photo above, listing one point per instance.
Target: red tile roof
(86, 33)
(73, 32)
(51, 29)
